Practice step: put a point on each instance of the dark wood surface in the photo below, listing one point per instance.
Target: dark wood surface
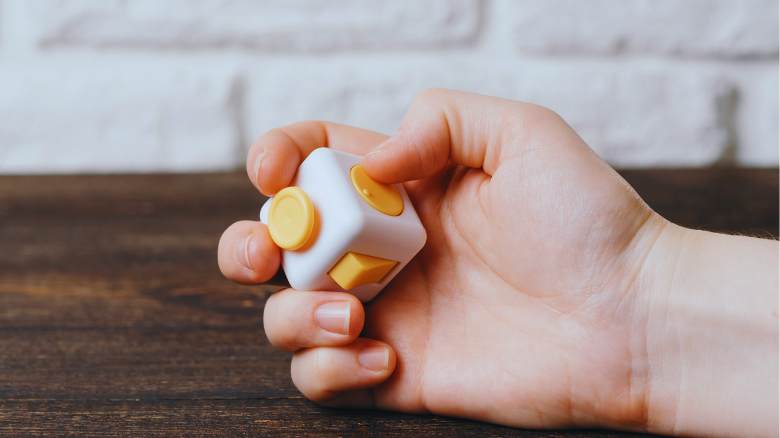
(114, 318)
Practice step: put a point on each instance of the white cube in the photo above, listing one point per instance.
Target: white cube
(364, 232)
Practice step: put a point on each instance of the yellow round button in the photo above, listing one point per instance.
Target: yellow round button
(382, 197)
(291, 219)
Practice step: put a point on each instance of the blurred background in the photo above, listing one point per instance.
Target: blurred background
(103, 86)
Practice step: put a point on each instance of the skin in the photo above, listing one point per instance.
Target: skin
(548, 294)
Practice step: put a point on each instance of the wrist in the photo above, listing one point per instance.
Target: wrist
(709, 329)
(655, 360)
(626, 403)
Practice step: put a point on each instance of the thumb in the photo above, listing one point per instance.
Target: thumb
(448, 127)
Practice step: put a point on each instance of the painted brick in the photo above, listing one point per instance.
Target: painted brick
(631, 117)
(636, 117)
(756, 116)
(115, 118)
(707, 94)
(719, 28)
(276, 25)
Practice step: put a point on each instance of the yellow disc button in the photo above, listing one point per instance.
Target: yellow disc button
(382, 197)
(291, 219)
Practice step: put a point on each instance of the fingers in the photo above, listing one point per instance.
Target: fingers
(466, 129)
(294, 319)
(327, 373)
(332, 365)
(274, 158)
(247, 254)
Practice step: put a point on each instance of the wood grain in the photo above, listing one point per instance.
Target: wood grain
(114, 319)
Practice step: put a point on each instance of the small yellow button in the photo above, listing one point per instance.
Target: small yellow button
(356, 269)
(291, 219)
(382, 197)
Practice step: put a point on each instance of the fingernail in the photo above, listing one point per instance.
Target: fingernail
(257, 163)
(374, 358)
(246, 250)
(334, 317)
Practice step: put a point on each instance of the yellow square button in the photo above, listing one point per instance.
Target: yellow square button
(356, 269)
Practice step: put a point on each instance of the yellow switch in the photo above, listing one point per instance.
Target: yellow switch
(382, 197)
(356, 269)
(292, 221)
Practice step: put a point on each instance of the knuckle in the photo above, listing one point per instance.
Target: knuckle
(325, 373)
(280, 340)
(543, 115)
(224, 248)
(317, 386)
(268, 139)
(274, 331)
(310, 374)
(281, 328)
(271, 133)
(279, 337)
(316, 123)
(223, 242)
(328, 369)
(231, 229)
(430, 96)
(260, 142)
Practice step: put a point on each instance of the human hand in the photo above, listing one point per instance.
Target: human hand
(528, 305)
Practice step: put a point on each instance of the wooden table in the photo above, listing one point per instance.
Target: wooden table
(114, 318)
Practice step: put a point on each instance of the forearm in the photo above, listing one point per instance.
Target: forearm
(711, 334)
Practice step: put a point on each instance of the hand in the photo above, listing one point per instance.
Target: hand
(528, 305)
(519, 310)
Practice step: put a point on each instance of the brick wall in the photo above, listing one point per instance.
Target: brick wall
(145, 85)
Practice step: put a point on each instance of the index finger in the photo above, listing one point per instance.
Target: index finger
(274, 158)
(444, 127)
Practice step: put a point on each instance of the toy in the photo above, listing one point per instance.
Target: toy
(340, 230)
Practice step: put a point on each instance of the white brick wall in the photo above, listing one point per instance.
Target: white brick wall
(145, 85)
(632, 116)
(275, 25)
(111, 117)
(713, 28)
